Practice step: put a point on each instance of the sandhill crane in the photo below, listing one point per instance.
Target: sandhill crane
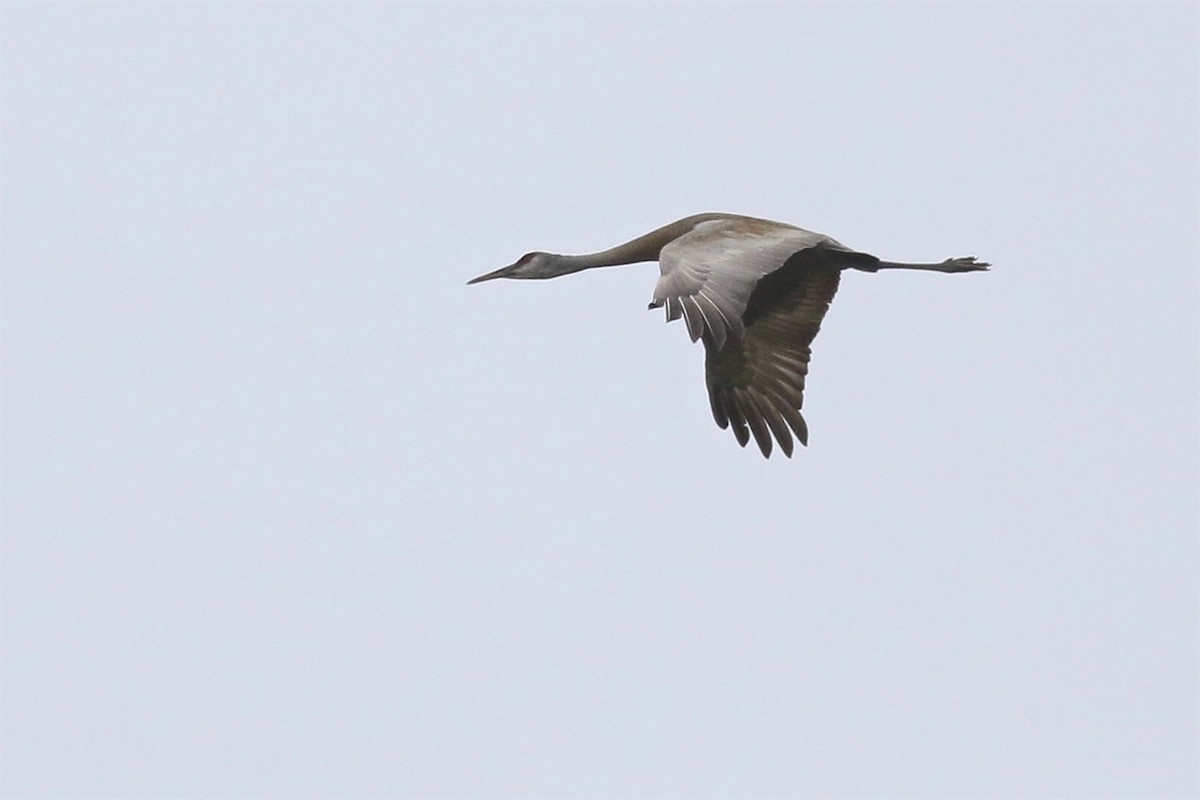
(755, 291)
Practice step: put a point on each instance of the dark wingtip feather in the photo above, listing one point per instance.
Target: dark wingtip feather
(737, 420)
(795, 421)
(718, 409)
(742, 433)
(754, 416)
(772, 412)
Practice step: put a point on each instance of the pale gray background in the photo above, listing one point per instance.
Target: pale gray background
(290, 511)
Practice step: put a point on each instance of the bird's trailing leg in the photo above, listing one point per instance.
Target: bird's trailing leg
(964, 264)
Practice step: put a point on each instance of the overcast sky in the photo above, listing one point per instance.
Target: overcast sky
(289, 511)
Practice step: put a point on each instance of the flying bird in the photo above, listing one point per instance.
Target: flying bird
(755, 291)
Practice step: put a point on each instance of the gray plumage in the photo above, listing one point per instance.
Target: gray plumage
(755, 292)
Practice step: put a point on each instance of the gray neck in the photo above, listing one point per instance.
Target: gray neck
(643, 248)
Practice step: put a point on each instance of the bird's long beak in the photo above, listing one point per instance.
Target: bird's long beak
(503, 272)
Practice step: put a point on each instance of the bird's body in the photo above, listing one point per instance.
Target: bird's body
(755, 292)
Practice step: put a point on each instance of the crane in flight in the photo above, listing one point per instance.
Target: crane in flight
(755, 291)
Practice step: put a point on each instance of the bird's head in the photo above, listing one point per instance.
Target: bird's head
(529, 266)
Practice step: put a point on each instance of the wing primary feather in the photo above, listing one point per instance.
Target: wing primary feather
(718, 409)
(771, 413)
(795, 420)
(754, 417)
(737, 419)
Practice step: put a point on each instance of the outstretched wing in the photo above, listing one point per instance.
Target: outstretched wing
(710, 272)
(756, 381)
